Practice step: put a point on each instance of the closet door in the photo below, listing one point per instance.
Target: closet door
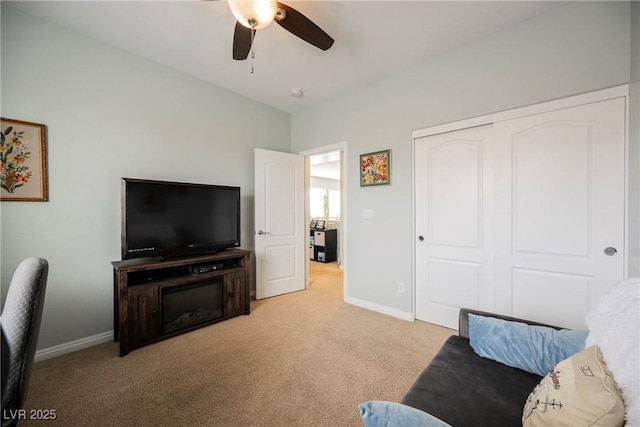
(559, 211)
(524, 217)
(453, 224)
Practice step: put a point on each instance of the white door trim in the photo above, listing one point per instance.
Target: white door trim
(573, 101)
(341, 146)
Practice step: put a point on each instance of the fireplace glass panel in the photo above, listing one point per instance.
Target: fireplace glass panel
(189, 305)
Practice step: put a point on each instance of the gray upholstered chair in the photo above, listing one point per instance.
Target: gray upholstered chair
(20, 322)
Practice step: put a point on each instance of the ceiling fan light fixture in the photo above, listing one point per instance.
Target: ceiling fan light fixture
(254, 14)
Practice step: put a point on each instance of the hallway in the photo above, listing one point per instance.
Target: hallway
(326, 273)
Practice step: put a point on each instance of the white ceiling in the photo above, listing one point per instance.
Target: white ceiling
(329, 170)
(325, 165)
(373, 39)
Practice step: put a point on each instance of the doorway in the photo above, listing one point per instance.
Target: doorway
(325, 186)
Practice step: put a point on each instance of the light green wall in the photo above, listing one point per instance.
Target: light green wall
(110, 114)
(634, 144)
(575, 49)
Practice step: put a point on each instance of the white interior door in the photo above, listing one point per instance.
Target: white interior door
(453, 224)
(279, 223)
(560, 204)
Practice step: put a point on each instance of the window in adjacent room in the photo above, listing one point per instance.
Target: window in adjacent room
(324, 191)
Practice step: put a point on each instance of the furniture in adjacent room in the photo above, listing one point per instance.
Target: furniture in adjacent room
(20, 323)
(323, 245)
(155, 300)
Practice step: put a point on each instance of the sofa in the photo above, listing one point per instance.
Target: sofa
(464, 389)
(504, 371)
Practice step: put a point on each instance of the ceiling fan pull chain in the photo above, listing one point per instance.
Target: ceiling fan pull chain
(253, 52)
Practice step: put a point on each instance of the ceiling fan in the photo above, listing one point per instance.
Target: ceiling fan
(253, 15)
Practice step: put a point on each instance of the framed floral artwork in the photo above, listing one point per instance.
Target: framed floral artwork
(23, 161)
(375, 168)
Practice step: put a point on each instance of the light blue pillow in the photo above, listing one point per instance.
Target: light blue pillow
(377, 413)
(535, 349)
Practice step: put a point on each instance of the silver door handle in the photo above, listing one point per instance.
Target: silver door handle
(263, 233)
(610, 251)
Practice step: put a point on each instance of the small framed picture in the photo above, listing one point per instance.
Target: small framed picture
(375, 168)
(23, 161)
(314, 223)
(320, 223)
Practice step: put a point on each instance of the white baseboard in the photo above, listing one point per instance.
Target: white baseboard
(410, 317)
(70, 347)
(59, 350)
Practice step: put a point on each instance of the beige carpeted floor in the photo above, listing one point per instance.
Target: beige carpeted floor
(302, 359)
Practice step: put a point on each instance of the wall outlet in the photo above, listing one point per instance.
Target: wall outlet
(401, 287)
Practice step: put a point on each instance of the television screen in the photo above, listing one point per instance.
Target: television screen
(164, 219)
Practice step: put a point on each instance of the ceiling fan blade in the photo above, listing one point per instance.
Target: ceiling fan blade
(298, 24)
(242, 39)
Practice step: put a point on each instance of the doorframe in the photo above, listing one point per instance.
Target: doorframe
(621, 91)
(342, 242)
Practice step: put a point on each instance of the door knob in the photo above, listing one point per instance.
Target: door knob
(263, 233)
(421, 238)
(610, 251)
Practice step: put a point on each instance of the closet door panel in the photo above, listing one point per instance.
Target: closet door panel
(453, 187)
(453, 203)
(533, 289)
(559, 201)
(552, 165)
(454, 283)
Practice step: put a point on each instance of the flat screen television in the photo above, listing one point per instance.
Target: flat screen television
(173, 219)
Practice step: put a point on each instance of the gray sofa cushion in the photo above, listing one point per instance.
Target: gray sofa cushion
(463, 389)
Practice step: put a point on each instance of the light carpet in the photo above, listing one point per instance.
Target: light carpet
(301, 359)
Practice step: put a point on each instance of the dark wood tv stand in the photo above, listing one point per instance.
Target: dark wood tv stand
(145, 313)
